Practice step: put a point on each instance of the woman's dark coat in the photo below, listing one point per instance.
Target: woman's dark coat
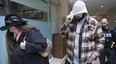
(35, 42)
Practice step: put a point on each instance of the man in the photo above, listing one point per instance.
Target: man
(108, 50)
(84, 36)
(114, 37)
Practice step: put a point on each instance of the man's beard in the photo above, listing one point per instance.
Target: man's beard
(80, 18)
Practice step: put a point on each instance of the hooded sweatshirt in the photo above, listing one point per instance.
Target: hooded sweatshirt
(78, 8)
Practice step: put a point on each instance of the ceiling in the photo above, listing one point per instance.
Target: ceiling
(98, 7)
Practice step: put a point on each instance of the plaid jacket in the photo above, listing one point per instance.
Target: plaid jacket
(91, 40)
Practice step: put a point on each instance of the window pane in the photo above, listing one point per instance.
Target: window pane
(28, 12)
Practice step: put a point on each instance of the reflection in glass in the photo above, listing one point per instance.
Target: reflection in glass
(28, 12)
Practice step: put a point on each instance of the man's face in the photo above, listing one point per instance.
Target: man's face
(79, 16)
(104, 23)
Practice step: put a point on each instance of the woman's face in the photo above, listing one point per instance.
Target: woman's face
(14, 30)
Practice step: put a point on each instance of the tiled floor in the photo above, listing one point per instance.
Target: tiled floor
(58, 61)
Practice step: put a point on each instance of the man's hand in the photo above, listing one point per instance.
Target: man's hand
(90, 60)
(69, 19)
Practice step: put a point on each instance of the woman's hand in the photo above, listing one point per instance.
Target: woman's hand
(22, 45)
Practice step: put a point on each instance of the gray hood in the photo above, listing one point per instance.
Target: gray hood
(78, 7)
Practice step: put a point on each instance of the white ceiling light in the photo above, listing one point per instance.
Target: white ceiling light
(102, 6)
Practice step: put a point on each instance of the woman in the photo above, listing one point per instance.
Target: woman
(23, 42)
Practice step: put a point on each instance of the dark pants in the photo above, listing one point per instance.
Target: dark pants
(110, 54)
(66, 62)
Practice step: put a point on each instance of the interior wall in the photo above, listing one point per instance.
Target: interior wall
(112, 18)
(60, 10)
(100, 17)
(54, 18)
